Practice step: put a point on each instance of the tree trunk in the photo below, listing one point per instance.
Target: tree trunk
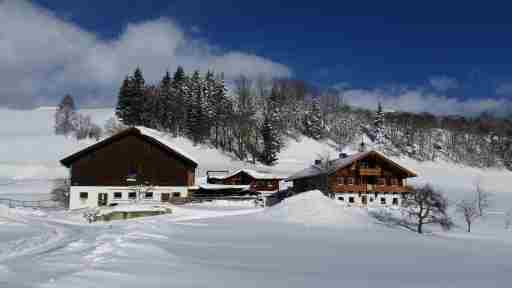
(420, 227)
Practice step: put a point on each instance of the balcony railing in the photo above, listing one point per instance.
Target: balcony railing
(369, 171)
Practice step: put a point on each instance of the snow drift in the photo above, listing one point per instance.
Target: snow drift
(315, 209)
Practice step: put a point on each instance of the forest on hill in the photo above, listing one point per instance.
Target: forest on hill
(252, 118)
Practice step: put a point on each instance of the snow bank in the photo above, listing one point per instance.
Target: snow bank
(313, 208)
(225, 203)
(4, 211)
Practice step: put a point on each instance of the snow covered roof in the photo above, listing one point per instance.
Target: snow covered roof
(164, 139)
(153, 136)
(221, 186)
(254, 174)
(334, 165)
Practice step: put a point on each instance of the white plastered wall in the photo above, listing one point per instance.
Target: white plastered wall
(75, 202)
(372, 200)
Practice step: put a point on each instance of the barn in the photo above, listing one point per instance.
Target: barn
(363, 179)
(135, 165)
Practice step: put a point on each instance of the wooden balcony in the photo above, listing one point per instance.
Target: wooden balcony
(368, 188)
(370, 171)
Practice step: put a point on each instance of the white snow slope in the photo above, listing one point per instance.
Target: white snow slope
(304, 241)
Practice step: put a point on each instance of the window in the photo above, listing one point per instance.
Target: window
(381, 181)
(148, 195)
(176, 194)
(383, 200)
(350, 180)
(132, 195)
(395, 200)
(118, 195)
(270, 184)
(84, 195)
(371, 199)
(394, 181)
(341, 199)
(350, 199)
(341, 180)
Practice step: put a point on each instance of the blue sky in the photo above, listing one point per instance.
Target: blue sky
(332, 41)
(457, 50)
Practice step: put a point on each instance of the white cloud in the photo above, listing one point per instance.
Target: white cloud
(443, 83)
(44, 57)
(420, 100)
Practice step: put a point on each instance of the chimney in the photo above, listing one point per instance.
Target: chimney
(318, 162)
(343, 155)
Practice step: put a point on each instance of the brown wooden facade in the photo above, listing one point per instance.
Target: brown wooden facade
(372, 173)
(126, 155)
(244, 178)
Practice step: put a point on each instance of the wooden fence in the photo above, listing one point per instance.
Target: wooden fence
(46, 204)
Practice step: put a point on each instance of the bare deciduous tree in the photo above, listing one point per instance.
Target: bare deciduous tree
(469, 210)
(425, 205)
(483, 198)
(60, 191)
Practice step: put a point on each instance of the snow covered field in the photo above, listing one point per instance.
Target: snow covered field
(292, 244)
(303, 242)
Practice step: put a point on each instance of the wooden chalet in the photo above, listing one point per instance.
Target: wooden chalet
(136, 164)
(260, 182)
(361, 179)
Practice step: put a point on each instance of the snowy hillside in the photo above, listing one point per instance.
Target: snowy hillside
(306, 240)
(30, 154)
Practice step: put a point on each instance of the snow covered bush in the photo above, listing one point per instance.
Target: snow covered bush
(91, 215)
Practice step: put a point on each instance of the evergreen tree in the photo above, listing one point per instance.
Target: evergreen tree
(167, 107)
(65, 116)
(150, 107)
(271, 143)
(378, 125)
(209, 89)
(221, 107)
(195, 112)
(138, 97)
(130, 104)
(124, 108)
(180, 97)
(313, 122)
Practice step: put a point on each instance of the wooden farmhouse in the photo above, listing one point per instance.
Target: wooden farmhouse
(264, 185)
(362, 179)
(259, 182)
(135, 165)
